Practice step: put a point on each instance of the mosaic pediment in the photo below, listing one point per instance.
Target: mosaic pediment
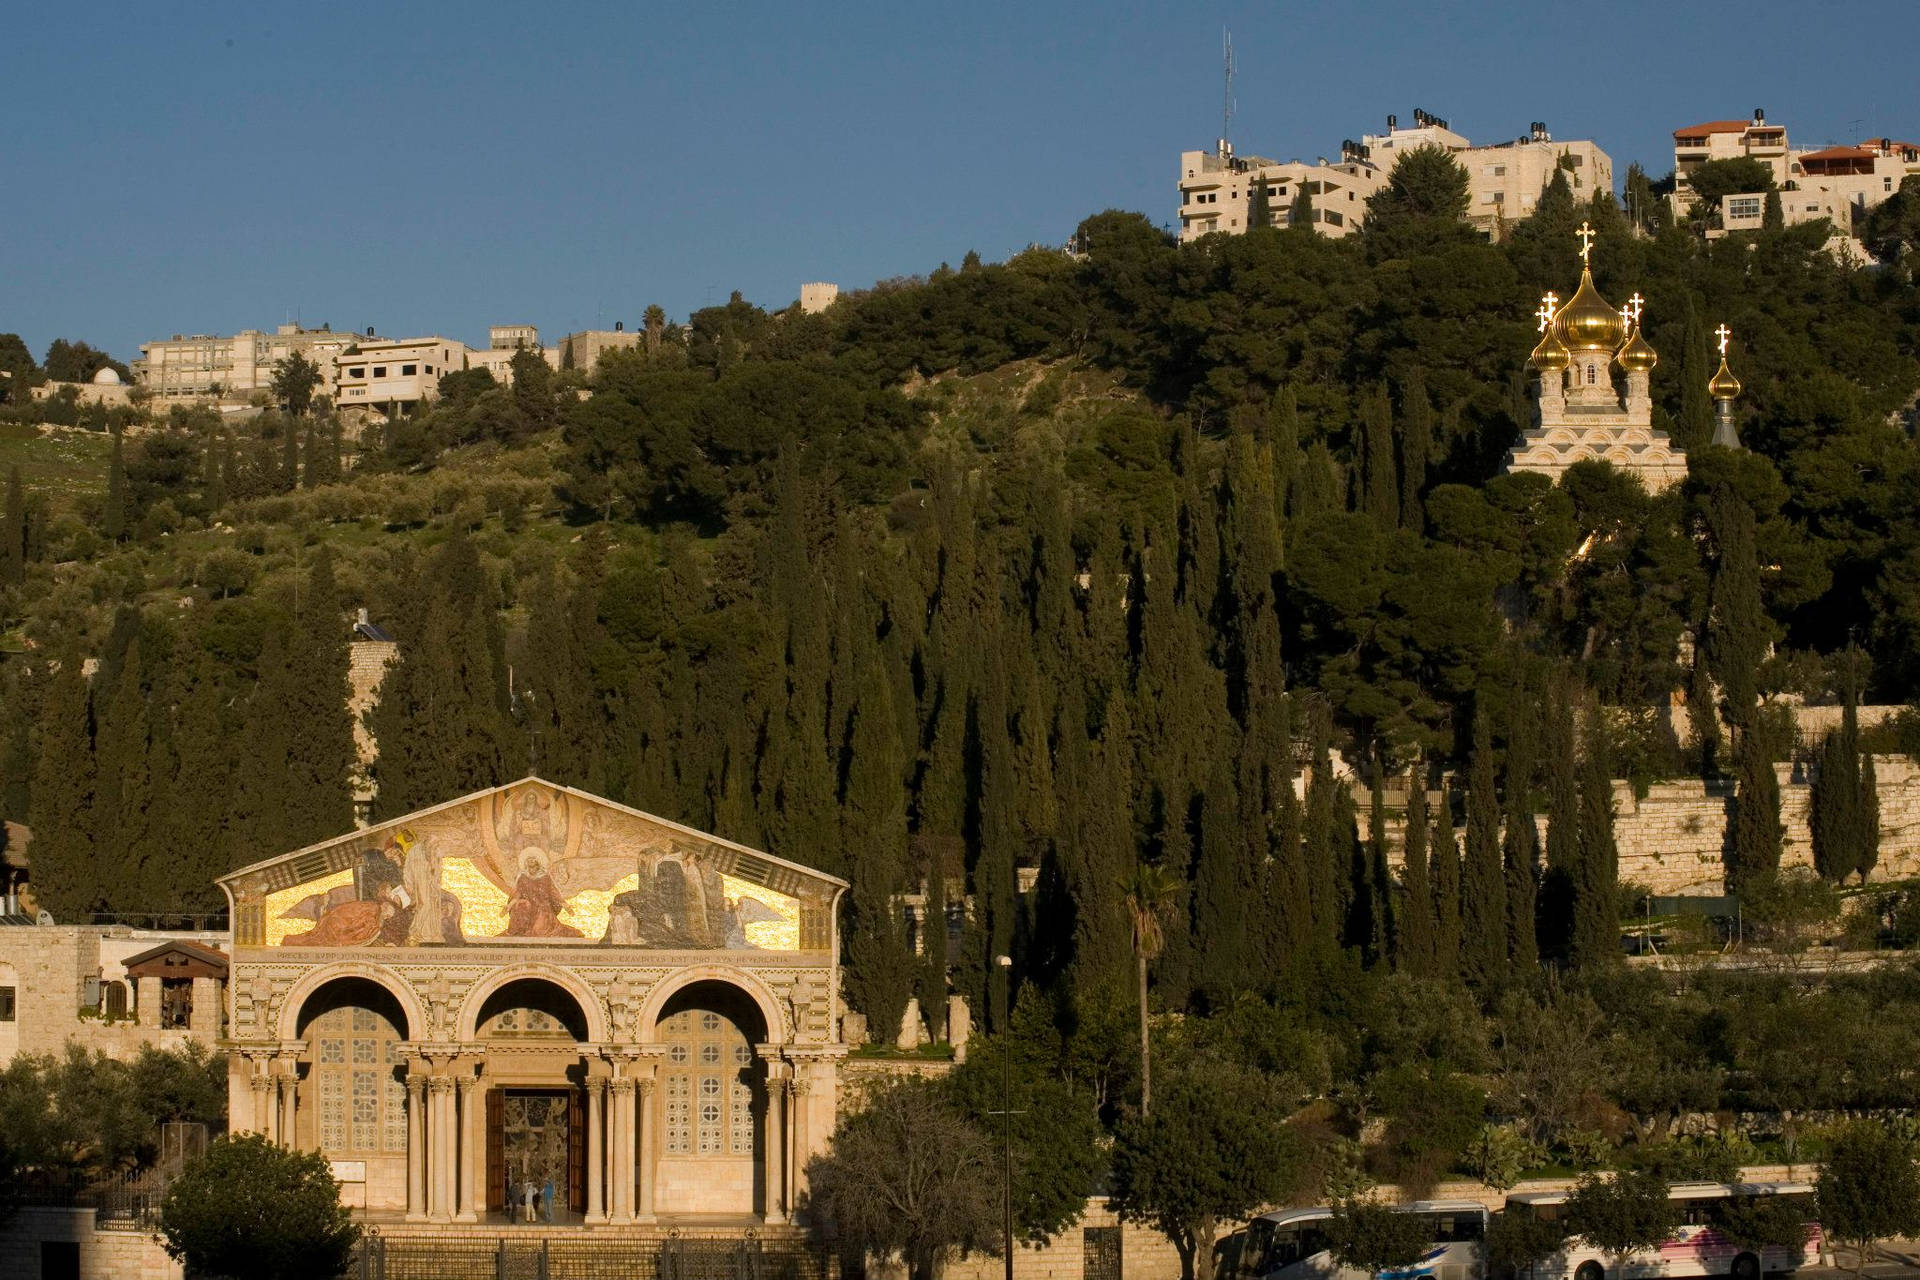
(533, 863)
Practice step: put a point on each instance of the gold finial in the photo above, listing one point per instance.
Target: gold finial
(1725, 335)
(1626, 316)
(1637, 303)
(1586, 234)
(1545, 314)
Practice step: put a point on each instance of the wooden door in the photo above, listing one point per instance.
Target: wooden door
(577, 1151)
(496, 1151)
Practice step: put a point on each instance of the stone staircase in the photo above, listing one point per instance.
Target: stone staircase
(688, 1249)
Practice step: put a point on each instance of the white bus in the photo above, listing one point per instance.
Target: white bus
(1291, 1244)
(1697, 1247)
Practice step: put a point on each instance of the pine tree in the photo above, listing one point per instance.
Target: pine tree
(1483, 888)
(1443, 867)
(114, 516)
(1416, 448)
(1596, 928)
(1414, 938)
(13, 533)
(64, 871)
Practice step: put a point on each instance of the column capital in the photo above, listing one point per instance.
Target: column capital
(623, 1086)
(440, 1085)
(645, 1085)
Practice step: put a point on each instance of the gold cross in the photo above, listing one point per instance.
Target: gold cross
(1545, 314)
(1587, 236)
(1723, 333)
(1637, 303)
(1626, 316)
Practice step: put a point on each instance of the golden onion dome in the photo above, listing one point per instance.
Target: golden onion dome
(1551, 355)
(1587, 323)
(1723, 385)
(1638, 356)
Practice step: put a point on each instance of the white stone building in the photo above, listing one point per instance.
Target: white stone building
(205, 368)
(1504, 179)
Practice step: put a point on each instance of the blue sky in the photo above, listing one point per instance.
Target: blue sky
(437, 168)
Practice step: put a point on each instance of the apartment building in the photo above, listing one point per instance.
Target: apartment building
(393, 375)
(1699, 144)
(1839, 183)
(205, 367)
(1504, 179)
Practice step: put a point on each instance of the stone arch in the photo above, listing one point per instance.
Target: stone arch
(749, 985)
(467, 1026)
(378, 974)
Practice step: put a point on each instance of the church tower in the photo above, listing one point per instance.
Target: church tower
(1581, 412)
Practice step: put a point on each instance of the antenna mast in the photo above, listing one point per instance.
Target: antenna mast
(1226, 111)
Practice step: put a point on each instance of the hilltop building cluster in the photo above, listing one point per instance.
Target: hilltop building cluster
(1224, 192)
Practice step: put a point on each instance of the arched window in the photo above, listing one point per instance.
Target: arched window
(114, 999)
(1593, 375)
(709, 1104)
(363, 1104)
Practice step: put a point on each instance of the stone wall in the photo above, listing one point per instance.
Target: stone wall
(48, 966)
(1674, 840)
(34, 1238)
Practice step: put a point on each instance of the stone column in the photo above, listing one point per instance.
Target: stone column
(621, 1202)
(596, 1150)
(416, 1148)
(441, 1142)
(205, 1017)
(773, 1147)
(790, 1150)
(472, 1160)
(262, 1116)
(800, 1104)
(646, 1129)
(286, 1131)
(146, 999)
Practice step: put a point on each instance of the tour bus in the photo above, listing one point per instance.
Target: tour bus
(1291, 1244)
(1696, 1248)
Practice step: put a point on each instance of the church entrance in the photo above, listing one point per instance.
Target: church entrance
(712, 1100)
(536, 1143)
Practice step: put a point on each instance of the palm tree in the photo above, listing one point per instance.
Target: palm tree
(1150, 894)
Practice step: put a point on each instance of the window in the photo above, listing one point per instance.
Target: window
(379, 371)
(708, 1089)
(1333, 219)
(408, 370)
(1886, 184)
(1498, 197)
(358, 371)
(6, 1004)
(1499, 171)
(362, 1102)
(429, 370)
(1741, 207)
(1592, 375)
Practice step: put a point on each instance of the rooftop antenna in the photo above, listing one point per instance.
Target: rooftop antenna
(1226, 110)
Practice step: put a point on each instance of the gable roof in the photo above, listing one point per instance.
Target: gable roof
(210, 956)
(747, 860)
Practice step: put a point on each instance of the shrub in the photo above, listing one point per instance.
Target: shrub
(251, 1208)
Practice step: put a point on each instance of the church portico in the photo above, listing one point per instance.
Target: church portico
(640, 1028)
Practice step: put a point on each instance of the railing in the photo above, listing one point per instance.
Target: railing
(588, 1256)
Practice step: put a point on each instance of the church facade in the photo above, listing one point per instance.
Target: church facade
(532, 1001)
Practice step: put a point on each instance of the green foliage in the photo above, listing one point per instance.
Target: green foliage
(1869, 1187)
(907, 1176)
(1764, 1222)
(1716, 178)
(1623, 1214)
(1374, 1237)
(86, 1113)
(295, 379)
(1058, 1156)
(1499, 1155)
(1213, 1150)
(251, 1208)
(1518, 1240)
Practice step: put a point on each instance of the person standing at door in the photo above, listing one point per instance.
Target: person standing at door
(532, 1198)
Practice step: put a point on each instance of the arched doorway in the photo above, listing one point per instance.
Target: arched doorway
(710, 1102)
(352, 1095)
(536, 1121)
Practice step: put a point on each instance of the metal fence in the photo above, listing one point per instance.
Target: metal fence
(479, 1257)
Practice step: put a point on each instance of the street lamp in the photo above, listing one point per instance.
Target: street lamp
(1006, 1116)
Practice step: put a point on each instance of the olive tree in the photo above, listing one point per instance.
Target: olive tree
(1372, 1237)
(1869, 1188)
(1622, 1215)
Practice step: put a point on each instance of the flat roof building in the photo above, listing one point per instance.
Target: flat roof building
(207, 367)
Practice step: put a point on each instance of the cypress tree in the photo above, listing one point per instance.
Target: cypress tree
(1443, 866)
(1773, 216)
(216, 473)
(1702, 718)
(1520, 848)
(1558, 882)
(1694, 427)
(1416, 448)
(1320, 836)
(1100, 847)
(933, 945)
(1300, 212)
(1596, 927)
(1416, 922)
(1756, 816)
(13, 533)
(1259, 207)
(1483, 889)
(311, 691)
(1380, 481)
(114, 516)
(289, 455)
(1223, 894)
(995, 875)
(1844, 812)
(1869, 810)
(18, 714)
(126, 851)
(874, 830)
(262, 788)
(64, 872)
(1737, 636)
(202, 785)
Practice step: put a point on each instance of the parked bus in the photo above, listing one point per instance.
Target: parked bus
(1291, 1244)
(1698, 1247)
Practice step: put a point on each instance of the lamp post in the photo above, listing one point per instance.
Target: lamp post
(1006, 1119)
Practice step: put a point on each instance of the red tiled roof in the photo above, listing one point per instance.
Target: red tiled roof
(1839, 153)
(1714, 126)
